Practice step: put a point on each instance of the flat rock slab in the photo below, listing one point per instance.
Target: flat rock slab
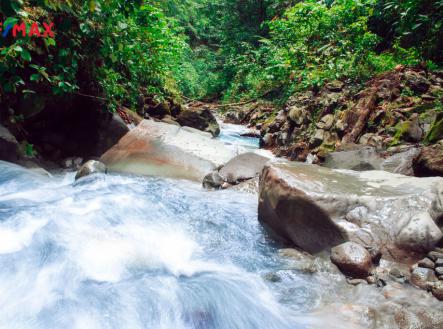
(314, 207)
(160, 149)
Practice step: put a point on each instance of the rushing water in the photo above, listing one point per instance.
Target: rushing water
(141, 252)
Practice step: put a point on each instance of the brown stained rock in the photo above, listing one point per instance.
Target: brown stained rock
(352, 259)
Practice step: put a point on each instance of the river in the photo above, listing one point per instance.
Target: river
(128, 252)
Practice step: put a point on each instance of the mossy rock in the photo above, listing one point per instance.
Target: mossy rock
(436, 132)
(408, 131)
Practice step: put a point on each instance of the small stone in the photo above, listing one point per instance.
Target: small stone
(434, 255)
(335, 86)
(426, 263)
(213, 181)
(352, 259)
(423, 278)
(326, 122)
(439, 262)
(439, 271)
(89, 168)
(356, 282)
(272, 277)
(372, 279)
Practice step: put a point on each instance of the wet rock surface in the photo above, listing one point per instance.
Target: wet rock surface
(157, 148)
(243, 167)
(352, 259)
(388, 212)
(90, 168)
(288, 212)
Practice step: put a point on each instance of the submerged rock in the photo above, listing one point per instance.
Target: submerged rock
(352, 259)
(316, 208)
(160, 149)
(90, 168)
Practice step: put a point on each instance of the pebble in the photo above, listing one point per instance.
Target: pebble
(426, 263)
(439, 271)
(434, 255)
(439, 262)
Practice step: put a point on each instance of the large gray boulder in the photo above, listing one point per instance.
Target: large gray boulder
(243, 167)
(160, 149)
(291, 215)
(9, 147)
(316, 208)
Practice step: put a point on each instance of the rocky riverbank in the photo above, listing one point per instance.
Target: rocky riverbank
(393, 113)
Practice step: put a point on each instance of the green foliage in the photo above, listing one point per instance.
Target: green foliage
(315, 42)
(206, 49)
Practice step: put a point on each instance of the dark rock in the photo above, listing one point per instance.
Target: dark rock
(430, 162)
(423, 278)
(426, 263)
(201, 119)
(417, 82)
(290, 215)
(109, 133)
(436, 130)
(335, 86)
(434, 255)
(90, 168)
(9, 147)
(352, 259)
(243, 167)
(213, 180)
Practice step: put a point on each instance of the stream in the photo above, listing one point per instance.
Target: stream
(129, 252)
